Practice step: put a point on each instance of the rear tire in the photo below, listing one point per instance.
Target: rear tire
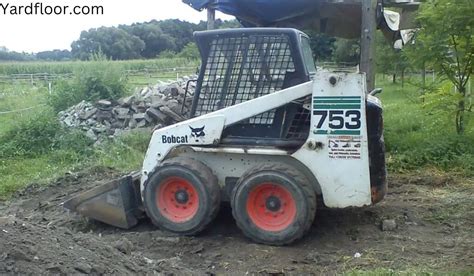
(182, 196)
(274, 204)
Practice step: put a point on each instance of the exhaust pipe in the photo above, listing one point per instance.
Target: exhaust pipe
(117, 202)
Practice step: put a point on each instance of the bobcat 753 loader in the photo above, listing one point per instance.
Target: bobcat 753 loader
(268, 132)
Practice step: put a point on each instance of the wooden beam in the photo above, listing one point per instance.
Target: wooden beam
(211, 18)
(367, 41)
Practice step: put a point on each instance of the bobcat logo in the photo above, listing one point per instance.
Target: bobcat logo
(197, 132)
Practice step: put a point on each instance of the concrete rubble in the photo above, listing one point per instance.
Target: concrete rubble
(151, 107)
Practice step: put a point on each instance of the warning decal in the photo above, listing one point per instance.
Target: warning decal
(344, 147)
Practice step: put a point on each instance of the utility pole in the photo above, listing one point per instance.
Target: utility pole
(211, 17)
(367, 41)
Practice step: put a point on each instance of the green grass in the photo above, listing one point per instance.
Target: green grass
(124, 154)
(417, 137)
(26, 164)
(66, 67)
(19, 96)
(16, 173)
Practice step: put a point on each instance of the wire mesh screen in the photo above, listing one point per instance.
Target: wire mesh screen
(242, 68)
(299, 126)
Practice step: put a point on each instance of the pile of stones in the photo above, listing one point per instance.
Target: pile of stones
(153, 107)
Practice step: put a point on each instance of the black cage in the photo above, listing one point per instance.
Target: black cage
(243, 64)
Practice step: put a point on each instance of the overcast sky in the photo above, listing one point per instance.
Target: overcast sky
(34, 33)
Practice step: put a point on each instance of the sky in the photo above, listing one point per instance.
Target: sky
(35, 33)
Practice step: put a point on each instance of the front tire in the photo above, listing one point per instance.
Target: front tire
(182, 196)
(274, 204)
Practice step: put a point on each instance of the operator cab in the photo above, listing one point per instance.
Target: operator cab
(242, 64)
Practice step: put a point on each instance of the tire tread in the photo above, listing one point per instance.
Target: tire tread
(304, 184)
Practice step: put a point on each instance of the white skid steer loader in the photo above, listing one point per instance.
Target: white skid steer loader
(267, 132)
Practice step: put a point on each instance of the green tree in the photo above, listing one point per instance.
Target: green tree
(56, 55)
(115, 43)
(154, 38)
(180, 31)
(322, 45)
(445, 39)
(6, 55)
(190, 51)
(347, 51)
(388, 59)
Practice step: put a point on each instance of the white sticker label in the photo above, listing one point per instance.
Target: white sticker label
(344, 147)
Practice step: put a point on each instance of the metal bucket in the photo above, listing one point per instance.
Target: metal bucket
(117, 202)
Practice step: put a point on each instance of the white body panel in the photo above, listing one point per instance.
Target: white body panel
(213, 124)
(342, 181)
(233, 162)
(340, 162)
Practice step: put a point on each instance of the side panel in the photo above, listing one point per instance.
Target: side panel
(207, 129)
(336, 151)
(228, 163)
(202, 131)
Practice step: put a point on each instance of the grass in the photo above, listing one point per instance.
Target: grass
(123, 154)
(16, 173)
(67, 67)
(417, 137)
(19, 96)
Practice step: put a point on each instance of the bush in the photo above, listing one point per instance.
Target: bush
(190, 51)
(167, 54)
(126, 152)
(39, 135)
(30, 137)
(91, 83)
(418, 136)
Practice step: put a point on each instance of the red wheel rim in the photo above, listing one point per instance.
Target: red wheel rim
(177, 199)
(271, 207)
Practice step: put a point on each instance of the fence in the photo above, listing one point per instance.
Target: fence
(150, 73)
(140, 77)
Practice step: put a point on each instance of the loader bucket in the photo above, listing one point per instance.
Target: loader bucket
(117, 202)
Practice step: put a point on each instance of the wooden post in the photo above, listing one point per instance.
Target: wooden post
(367, 41)
(211, 17)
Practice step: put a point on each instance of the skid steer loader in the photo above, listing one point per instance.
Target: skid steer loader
(268, 132)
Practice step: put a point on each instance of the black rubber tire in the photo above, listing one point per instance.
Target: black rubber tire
(291, 179)
(202, 179)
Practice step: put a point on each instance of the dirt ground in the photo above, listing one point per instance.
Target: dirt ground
(434, 215)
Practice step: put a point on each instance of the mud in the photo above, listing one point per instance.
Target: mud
(434, 216)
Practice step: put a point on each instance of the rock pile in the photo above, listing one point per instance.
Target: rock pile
(153, 106)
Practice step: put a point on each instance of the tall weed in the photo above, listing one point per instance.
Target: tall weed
(90, 83)
(41, 134)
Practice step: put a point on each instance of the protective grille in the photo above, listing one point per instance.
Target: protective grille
(299, 126)
(242, 68)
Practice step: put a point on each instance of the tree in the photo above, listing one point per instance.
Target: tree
(151, 34)
(56, 55)
(190, 51)
(180, 31)
(115, 43)
(322, 45)
(445, 39)
(388, 59)
(6, 55)
(141, 40)
(347, 51)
